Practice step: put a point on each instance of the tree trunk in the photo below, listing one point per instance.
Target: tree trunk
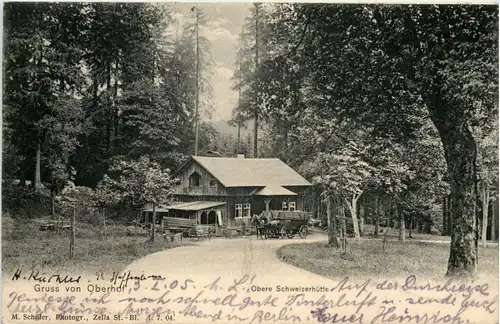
(72, 236)
(460, 153)
(493, 226)
(25, 165)
(450, 218)
(321, 208)
(108, 110)
(394, 217)
(353, 209)
(362, 216)
(343, 228)
(238, 150)
(238, 117)
(115, 106)
(58, 220)
(388, 223)
(314, 205)
(361, 220)
(410, 226)
(376, 216)
(255, 135)
(137, 219)
(154, 223)
(38, 181)
(52, 202)
(332, 224)
(485, 200)
(464, 236)
(401, 218)
(104, 220)
(445, 217)
(197, 113)
(256, 109)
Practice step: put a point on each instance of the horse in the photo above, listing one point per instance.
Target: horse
(271, 227)
(260, 225)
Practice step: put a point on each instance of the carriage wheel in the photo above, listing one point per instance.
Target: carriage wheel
(303, 231)
(282, 232)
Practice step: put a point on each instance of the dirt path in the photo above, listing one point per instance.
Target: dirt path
(242, 281)
(235, 257)
(231, 260)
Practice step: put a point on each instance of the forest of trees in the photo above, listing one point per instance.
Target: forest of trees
(389, 110)
(89, 83)
(393, 105)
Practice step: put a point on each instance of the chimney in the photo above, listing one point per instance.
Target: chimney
(240, 156)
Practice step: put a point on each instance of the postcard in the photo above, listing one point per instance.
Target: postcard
(244, 162)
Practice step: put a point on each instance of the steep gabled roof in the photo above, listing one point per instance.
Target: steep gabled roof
(244, 172)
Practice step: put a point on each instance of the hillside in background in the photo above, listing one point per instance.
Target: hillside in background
(223, 127)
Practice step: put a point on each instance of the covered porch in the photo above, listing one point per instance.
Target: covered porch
(276, 198)
(204, 213)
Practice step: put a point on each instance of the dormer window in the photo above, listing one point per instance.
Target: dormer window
(194, 179)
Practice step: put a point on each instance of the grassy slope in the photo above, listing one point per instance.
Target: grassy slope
(370, 259)
(31, 248)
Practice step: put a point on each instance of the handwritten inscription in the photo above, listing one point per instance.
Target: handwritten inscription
(244, 299)
(123, 279)
(45, 278)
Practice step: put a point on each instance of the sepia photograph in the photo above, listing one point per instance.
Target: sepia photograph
(247, 162)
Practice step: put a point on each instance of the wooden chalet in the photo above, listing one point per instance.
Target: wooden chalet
(222, 191)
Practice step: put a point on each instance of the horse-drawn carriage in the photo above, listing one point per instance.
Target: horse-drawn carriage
(281, 224)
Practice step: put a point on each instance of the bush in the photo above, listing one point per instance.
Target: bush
(434, 231)
(23, 202)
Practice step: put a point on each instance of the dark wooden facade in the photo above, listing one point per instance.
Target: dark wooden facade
(197, 184)
(207, 186)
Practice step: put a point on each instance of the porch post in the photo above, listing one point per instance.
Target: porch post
(267, 201)
(216, 228)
